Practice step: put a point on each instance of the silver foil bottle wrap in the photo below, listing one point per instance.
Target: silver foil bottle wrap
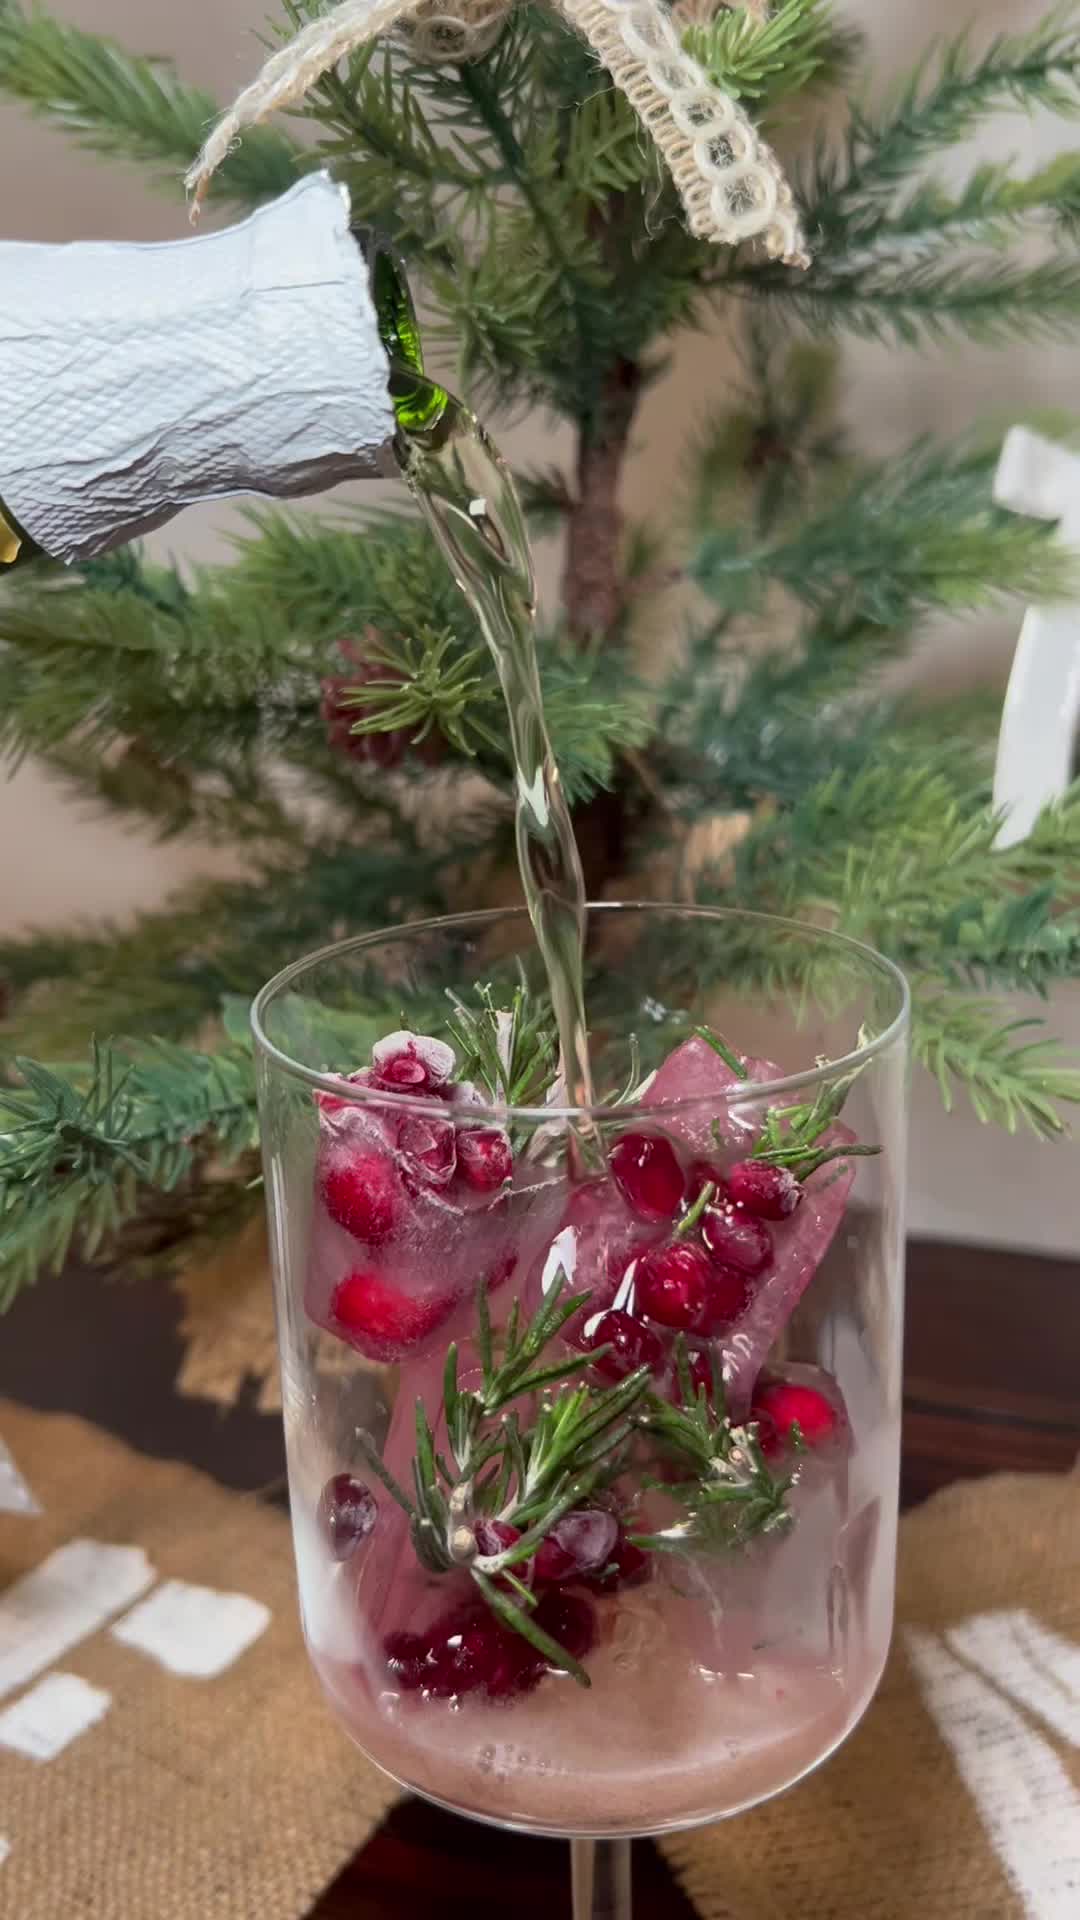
(136, 380)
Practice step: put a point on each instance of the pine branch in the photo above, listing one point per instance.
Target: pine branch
(915, 533)
(968, 1045)
(895, 300)
(81, 1147)
(120, 106)
(767, 57)
(940, 104)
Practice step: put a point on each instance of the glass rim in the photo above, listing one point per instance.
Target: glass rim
(749, 1090)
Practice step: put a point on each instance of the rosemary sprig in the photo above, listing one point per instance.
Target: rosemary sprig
(727, 1054)
(731, 1494)
(496, 1468)
(789, 1135)
(511, 1051)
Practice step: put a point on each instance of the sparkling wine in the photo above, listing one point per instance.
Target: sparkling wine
(467, 495)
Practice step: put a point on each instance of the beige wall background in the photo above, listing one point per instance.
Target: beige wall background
(57, 865)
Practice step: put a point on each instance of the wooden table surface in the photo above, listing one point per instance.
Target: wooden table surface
(992, 1382)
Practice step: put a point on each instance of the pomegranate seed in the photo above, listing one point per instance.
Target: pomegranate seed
(632, 1343)
(569, 1619)
(411, 1063)
(494, 1536)
(629, 1566)
(484, 1159)
(648, 1175)
(347, 1514)
(728, 1293)
(361, 1191)
(406, 1657)
(580, 1543)
(672, 1285)
(381, 1322)
(737, 1238)
(429, 1148)
(771, 1193)
(464, 1651)
(779, 1405)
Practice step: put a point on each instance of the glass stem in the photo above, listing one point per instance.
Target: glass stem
(601, 1879)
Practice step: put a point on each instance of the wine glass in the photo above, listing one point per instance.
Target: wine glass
(592, 1417)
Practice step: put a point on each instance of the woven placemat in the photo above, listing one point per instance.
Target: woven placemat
(958, 1798)
(232, 1798)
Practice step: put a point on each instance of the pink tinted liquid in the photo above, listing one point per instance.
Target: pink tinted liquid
(715, 1685)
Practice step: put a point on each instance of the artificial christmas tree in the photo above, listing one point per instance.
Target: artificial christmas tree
(325, 702)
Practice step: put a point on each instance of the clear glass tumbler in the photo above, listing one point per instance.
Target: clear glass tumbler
(592, 1416)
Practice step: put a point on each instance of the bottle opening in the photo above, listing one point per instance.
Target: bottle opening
(417, 401)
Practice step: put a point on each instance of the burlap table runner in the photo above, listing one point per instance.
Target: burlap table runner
(193, 1799)
(958, 1798)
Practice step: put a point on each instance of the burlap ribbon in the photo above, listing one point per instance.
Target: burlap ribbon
(235, 1798)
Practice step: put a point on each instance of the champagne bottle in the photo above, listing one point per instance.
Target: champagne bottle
(272, 358)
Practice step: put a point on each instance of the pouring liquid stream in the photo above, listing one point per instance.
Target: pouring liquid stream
(467, 496)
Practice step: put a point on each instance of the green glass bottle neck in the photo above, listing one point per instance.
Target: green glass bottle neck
(418, 403)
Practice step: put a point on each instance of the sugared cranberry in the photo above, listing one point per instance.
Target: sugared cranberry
(582, 1542)
(411, 1063)
(632, 1343)
(484, 1159)
(728, 1293)
(379, 1320)
(737, 1238)
(569, 1619)
(429, 1149)
(347, 1514)
(361, 1191)
(648, 1175)
(673, 1283)
(771, 1193)
(629, 1566)
(780, 1405)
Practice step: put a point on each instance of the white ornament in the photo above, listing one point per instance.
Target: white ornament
(1041, 717)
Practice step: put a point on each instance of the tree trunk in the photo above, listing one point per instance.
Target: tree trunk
(592, 585)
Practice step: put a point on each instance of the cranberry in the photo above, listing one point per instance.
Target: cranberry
(411, 1063)
(501, 1271)
(673, 1284)
(629, 1566)
(429, 1148)
(361, 1191)
(737, 1239)
(379, 1320)
(569, 1619)
(632, 1343)
(648, 1175)
(484, 1159)
(779, 1405)
(341, 709)
(770, 1193)
(703, 1173)
(347, 1514)
(701, 1374)
(580, 1543)
(728, 1293)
